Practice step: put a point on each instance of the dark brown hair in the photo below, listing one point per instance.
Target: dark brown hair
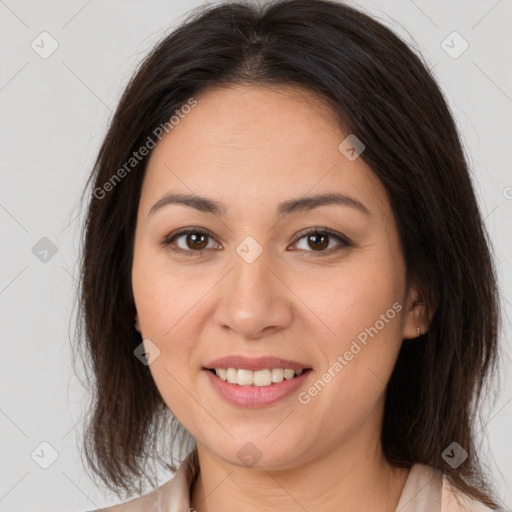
(381, 91)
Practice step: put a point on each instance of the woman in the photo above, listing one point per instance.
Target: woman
(284, 257)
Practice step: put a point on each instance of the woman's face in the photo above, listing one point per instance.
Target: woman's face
(250, 282)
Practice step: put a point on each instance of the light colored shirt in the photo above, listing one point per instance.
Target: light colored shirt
(426, 490)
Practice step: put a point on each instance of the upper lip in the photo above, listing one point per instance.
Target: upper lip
(258, 363)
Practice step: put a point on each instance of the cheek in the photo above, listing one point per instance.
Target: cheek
(163, 295)
(164, 306)
(359, 299)
(350, 386)
(362, 307)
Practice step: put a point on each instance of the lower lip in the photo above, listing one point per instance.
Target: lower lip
(255, 396)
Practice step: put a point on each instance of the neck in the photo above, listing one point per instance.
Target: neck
(352, 478)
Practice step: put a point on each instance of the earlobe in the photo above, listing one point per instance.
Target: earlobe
(137, 325)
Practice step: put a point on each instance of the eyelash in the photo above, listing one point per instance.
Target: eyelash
(345, 242)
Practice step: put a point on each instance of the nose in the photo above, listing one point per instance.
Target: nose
(254, 299)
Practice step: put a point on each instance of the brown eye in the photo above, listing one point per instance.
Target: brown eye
(188, 241)
(319, 240)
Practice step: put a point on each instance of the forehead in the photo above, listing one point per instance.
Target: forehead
(258, 143)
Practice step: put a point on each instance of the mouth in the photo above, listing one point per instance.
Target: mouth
(245, 381)
(260, 388)
(257, 378)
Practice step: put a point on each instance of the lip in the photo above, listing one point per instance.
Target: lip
(260, 363)
(255, 396)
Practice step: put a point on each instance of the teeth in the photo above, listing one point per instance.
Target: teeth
(288, 374)
(257, 378)
(231, 375)
(244, 377)
(277, 375)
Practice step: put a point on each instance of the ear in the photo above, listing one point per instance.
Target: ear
(137, 325)
(418, 315)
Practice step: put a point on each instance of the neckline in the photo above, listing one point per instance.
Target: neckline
(422, 491)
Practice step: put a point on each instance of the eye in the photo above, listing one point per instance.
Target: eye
(191, 241)
(319, 240)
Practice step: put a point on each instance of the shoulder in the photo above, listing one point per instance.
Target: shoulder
(454, 500)
(146, 503)
(428, 489)
(171, 496)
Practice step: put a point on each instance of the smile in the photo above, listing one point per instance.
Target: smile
(257, 388)
(264, 377)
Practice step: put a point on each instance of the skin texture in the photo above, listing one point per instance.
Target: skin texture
(250, 148)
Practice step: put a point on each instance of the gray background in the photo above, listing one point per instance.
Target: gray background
(54, 113)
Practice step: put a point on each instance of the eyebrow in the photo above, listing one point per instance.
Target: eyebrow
(301, 204)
